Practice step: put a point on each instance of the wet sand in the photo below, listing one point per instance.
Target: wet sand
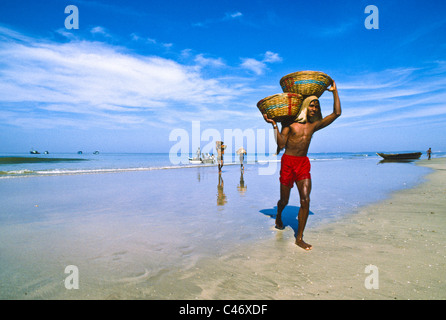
(126, 247)
(404, 237)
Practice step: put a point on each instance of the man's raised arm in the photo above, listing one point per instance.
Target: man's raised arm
(336, 109)
(281, 137)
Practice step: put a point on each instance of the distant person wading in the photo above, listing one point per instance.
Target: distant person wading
(220, 153)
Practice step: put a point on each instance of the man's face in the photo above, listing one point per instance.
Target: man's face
(313, 108)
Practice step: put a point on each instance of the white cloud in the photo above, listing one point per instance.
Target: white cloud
(395, 97)
(228, 16)
(203, 61)
(86, 84)
(259, 66)
(99, 31)
(272, 57)
(149, 41)
(101, 84)
(234, 15)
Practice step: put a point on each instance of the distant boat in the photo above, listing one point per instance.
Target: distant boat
(196, 159)
(202, 158)
(79, 152)
(400, 156)
(46, 152)
(207, 158)
(96, 152)
(34, 152)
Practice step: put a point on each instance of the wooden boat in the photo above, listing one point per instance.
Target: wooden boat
(400, 156)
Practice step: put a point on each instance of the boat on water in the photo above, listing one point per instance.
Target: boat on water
(195, 161)
(202, 158)
(34, 152)
(400, 156)
(197, 158)
(207, 158)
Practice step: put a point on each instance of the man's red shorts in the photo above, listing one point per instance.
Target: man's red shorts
(294, 169)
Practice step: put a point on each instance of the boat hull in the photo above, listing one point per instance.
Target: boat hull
(400, 156)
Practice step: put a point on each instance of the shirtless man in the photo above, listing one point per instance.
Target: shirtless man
(220, 153)
(295, 165)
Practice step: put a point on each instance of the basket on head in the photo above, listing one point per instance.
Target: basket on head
(281, 106)
(306, 83)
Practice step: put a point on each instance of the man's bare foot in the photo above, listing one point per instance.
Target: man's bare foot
(281, 227)
(279, 224)
(301, 243)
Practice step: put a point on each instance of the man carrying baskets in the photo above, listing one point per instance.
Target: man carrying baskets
(295, 165)
(220, 153)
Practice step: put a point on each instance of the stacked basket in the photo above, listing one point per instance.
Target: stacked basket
(296, 87)
(280, 106)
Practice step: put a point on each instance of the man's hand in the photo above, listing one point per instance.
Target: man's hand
(333, 87)
(265, 116)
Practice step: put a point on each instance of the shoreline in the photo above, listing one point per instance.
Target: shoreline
(229, 251)
(403, 237)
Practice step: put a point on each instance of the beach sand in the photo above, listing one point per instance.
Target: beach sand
(404, 237)
(208, 245)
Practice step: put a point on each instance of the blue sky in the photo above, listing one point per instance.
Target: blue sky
(135, 71)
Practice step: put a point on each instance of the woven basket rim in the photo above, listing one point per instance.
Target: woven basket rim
(309, 72)
(297, 95)
(281, 105)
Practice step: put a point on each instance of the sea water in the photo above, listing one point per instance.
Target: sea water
(20, 165)
(126, 220)
(341, 182)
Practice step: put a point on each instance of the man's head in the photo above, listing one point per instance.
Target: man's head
(314, 109)
(310, 110)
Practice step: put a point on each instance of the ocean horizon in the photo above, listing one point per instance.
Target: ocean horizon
(13, 165)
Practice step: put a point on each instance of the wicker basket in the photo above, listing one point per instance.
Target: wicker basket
(281, 106)
(306, 83)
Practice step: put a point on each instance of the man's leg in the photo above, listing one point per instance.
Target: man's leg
(304, 187)
(281, 204)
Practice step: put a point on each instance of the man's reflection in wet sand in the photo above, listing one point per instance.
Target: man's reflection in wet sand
(221, 197)
(241, 186)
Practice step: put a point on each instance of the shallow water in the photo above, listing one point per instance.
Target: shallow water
(128, 231)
